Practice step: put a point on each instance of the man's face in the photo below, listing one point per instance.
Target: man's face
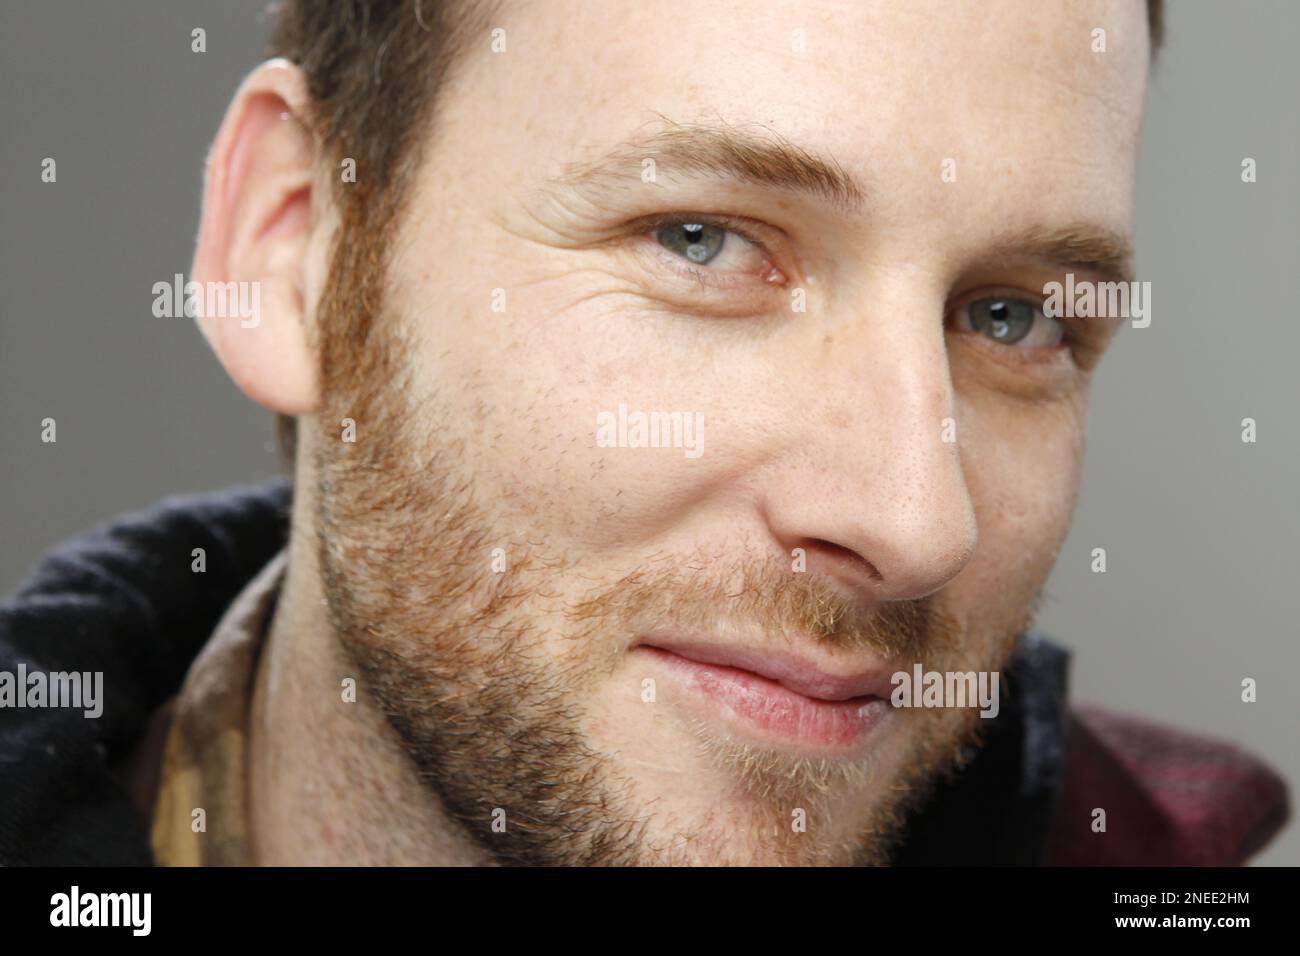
(677, 653)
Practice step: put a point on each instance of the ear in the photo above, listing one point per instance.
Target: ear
(254, 233)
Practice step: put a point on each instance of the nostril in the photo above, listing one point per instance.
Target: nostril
(844, 559)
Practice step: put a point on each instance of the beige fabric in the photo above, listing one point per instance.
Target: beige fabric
(205, 758)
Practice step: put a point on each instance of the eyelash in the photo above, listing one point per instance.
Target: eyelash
(1077, 346)
(711, 278)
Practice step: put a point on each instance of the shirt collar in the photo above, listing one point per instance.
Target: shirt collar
(201, 812)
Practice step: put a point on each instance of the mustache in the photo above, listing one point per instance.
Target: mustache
(756, 595)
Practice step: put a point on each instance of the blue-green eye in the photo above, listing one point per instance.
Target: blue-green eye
(1003, 320)
(699, 243)
(1010, 321)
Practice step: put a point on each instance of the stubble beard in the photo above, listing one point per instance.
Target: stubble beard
(493, 722)
(491, 718)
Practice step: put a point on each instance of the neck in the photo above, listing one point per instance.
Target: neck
(329, 782)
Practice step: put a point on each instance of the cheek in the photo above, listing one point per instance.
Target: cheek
(529, 400)
(1022, 464)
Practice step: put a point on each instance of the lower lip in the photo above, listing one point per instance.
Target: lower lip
(775, 711)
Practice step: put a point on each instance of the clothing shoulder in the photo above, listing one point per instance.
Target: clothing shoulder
(126, 602)
(1139, 793)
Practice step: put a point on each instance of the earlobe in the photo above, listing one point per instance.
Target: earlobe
(250, 260)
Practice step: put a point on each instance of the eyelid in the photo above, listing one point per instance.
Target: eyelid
(747, 229)
(1036, 299)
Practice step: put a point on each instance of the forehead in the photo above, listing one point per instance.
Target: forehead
(1014, 92)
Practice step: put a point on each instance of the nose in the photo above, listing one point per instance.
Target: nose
(873, 489)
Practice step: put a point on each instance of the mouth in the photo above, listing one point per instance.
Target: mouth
(776, 698)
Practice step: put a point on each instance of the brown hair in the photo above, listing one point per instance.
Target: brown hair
(373, 69)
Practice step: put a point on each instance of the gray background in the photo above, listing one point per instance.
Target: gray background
(1200, 529)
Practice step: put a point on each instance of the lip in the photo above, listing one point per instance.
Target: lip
(781, 697)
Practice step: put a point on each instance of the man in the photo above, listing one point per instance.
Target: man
(683, 438)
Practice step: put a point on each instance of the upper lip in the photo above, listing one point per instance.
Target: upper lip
(795, 672)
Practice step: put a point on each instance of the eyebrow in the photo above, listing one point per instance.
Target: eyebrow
(731, 153)
(1081, 247)
(723, 152)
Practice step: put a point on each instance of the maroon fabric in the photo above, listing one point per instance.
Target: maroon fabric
(1171, 798)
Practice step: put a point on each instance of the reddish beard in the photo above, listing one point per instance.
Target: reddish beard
(490, 714)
